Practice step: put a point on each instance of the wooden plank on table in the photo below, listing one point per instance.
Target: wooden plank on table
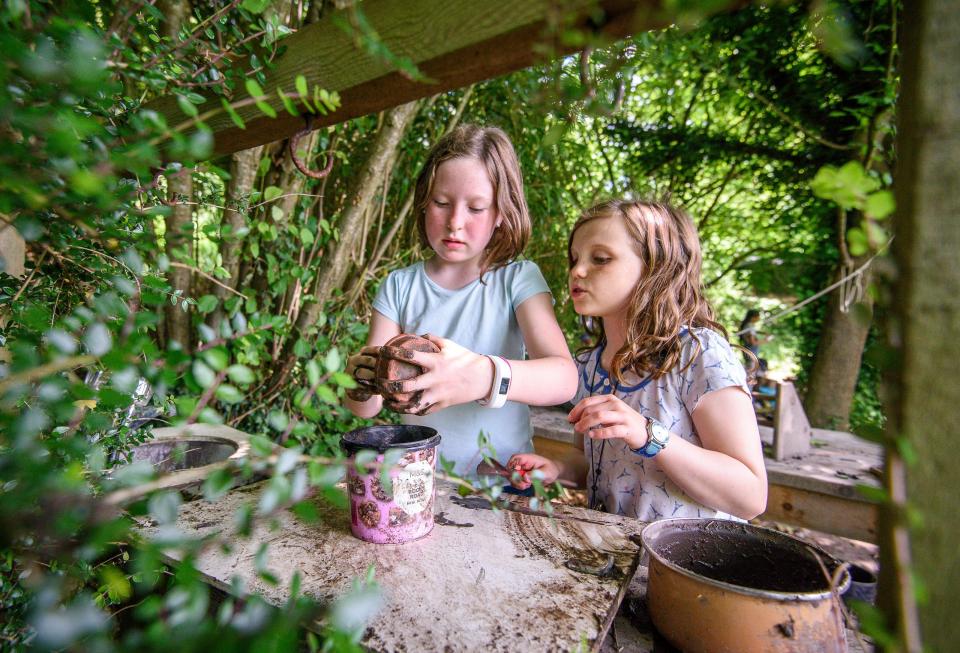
(454, 42)
(482, 580)
(822, 512)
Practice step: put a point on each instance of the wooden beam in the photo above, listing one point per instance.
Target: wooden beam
(822, 512)
(454, 42)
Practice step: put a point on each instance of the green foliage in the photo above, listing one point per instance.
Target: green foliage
(82, 183)
(734, 119)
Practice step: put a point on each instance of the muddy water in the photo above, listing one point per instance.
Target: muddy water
(741, 555)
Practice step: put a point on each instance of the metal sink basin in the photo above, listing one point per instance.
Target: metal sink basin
(186, 452)
(184, 456)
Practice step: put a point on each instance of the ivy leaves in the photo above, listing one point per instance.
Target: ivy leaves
(852, 187)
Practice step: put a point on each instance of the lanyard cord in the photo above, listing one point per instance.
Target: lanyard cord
(594, 501)
(614, 386)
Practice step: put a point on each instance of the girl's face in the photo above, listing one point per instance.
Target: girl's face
(461, 214)
(604, 268)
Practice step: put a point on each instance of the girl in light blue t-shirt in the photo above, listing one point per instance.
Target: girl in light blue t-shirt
(663, 401)
(492, 317)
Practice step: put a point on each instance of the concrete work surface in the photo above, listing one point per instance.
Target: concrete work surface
(482, 580)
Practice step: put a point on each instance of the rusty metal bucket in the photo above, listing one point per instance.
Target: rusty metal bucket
(718, 586)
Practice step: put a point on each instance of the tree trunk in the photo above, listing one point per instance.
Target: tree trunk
(836, 366)
(179, 224)
(337, 259)
(360, 278)
(924, 407)
(175, 12)
(179, 248)
(284, 174)
(292, 183)
(395, 125)
(243, 172)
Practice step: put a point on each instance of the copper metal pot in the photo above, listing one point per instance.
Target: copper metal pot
(718, 586)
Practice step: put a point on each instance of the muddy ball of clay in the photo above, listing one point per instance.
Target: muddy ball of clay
(389, 369)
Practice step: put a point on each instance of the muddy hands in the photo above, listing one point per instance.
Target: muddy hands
(382, 370)
(362, 368)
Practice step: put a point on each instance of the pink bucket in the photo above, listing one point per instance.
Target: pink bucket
(405, 513)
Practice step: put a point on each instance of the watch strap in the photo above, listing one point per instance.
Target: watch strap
(657, 438)
(502, 376)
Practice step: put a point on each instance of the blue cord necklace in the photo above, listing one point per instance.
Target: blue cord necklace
(595, 503)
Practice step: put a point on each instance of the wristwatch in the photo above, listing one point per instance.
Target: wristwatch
(502, 374)
(657, 438)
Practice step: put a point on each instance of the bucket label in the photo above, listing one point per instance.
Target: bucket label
(413, 487)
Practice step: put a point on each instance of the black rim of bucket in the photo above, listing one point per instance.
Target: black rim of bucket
(383, 437)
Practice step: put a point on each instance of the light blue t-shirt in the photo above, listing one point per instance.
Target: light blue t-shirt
(481, 317)
(629, 484)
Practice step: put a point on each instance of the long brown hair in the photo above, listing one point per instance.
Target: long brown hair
(669, 294)
(492, 147)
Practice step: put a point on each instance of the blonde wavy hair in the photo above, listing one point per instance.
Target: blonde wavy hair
(492, 147)
(669, 293)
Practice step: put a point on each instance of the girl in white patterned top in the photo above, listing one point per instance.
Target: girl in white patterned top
(663, 401)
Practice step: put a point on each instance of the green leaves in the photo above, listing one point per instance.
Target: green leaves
(217, 484)
(228, 394)
(255, 6)
(278, 420)
(848, 185)
(164, 506)
(207, 304)
(304, 92)
(363, 459)
(241, 374)
(260, 445)
(216, 358)
(332, 361)
(234, 116)
(287, 103)
(97, 339)
(852, 187)
(187, 106)
(271, 193)
(202, 374)
(879, 205)
(256, 92)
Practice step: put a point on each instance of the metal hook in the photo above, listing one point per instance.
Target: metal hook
(301, 166)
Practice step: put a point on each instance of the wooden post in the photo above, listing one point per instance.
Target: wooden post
(13, 250)
(924, 406)
(791, 429)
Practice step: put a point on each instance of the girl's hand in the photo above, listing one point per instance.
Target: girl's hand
(454, 376)
(607, 416)
(362, 367)
(525, 463)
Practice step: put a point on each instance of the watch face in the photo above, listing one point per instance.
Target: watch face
(658, 435)
(659, 431)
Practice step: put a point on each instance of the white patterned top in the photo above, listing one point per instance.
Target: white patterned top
(629, 484)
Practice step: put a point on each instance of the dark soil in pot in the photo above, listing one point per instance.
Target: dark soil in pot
(739, 555)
